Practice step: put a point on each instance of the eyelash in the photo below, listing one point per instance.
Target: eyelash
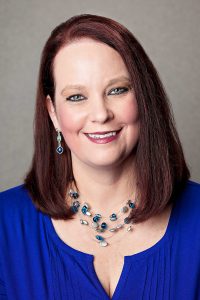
(119, 88)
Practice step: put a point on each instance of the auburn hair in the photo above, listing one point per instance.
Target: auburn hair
(161, 169)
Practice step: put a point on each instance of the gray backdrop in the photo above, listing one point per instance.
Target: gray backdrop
(168, 30)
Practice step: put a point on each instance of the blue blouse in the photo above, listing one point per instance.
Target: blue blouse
(36, 264)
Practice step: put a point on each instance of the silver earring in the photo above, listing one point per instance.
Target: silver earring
(59, 149)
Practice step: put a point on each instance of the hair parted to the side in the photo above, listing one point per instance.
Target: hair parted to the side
(160, 165)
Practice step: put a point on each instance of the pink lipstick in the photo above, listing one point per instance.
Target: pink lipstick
(103, 137)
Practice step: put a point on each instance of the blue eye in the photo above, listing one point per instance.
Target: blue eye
(74, 98)
(119, 89)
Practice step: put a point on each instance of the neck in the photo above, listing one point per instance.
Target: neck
(105, 189)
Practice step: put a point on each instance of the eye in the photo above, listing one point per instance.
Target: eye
(119, 90)
(74, 98)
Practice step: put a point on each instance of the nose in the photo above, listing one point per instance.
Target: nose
(100, 111)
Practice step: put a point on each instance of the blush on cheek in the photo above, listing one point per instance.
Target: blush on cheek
(130, 112)
(67, 121)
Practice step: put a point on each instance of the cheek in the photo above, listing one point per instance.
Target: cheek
(70, 121)
(129, 112)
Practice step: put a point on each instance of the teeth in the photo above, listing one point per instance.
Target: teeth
(101, 136)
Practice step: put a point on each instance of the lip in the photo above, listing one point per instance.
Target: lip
(106, 139)
(103, 132)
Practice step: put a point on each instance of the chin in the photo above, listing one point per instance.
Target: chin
(104, 163)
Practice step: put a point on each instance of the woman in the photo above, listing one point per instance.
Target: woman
(107, 210)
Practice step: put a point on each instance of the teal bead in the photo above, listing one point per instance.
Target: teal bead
(104, 225)
(75, 195)
(74, 209)
(99, 237)
(84, 209)
(96, 217)
(113, 217)
(75, 206)
(132, 205)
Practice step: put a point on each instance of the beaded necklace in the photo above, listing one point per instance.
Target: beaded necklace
(94, 219)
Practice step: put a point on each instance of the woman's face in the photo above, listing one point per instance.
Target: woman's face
(93, 94)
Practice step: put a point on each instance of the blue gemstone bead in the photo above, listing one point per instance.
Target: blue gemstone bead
(99, 237)
(74, 209)
(132, 205)
(104, 225)
(113, 217)
(96, 218)
(84, 209)
(59, 150)
(76, 203)
(75, 195)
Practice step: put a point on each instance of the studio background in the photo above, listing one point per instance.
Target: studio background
(169, 31)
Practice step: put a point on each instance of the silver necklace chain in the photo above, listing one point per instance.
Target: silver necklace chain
(93, 220)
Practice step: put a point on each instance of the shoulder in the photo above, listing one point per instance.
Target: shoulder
(13, 196)
(191, 193)
(188, 206)
(16, 202)
(192, 185)
(13, 192)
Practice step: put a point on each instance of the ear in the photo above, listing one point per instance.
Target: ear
(52, 112)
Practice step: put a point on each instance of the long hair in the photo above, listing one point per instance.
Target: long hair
(161, 169)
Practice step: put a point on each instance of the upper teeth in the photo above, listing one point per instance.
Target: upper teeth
(101, 136)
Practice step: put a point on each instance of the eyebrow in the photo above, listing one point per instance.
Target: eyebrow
(82, 87)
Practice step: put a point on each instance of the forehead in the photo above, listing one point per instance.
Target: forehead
(83, 46)
(87, 55)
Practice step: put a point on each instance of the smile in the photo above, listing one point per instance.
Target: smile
(101, 136)
(104, 137)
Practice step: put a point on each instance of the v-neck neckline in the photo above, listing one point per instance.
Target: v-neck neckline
(121, 281)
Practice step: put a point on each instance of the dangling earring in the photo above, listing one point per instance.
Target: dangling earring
(59, 149)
